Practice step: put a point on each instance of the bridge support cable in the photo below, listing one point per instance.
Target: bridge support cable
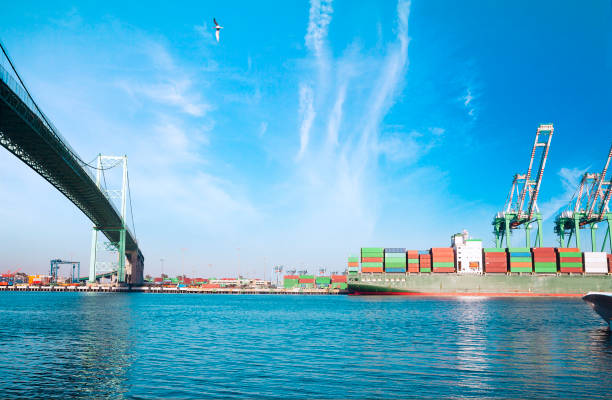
(105, 163)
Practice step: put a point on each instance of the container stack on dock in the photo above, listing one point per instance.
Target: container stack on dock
(520, 259)
(323, 281)
(307, 281)
(443, 259)
(395, 260)
(544, 260)
(290, 281)
(353, 265)
(495, 260)
(412, 261)
(570, 260)
(339, 282)
(595, 262)
(425, 261)
(372, 259)
(610, 263)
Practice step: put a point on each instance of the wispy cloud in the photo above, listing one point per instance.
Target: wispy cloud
(307, 115)
(339, 126)
(570, 179)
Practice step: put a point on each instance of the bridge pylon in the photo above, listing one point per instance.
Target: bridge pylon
(105, 163)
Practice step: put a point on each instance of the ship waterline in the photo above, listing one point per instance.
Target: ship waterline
(478, 285)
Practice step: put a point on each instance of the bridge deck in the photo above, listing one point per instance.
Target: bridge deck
(25, 134)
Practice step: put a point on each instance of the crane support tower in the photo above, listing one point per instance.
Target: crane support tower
(588, 207)
(521, 208)
(76, 267)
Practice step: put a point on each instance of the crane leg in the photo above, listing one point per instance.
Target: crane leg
(577, 232)
(593, 237)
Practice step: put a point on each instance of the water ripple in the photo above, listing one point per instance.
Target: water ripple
(147, 346)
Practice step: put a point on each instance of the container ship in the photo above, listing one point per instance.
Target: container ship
(466, 268)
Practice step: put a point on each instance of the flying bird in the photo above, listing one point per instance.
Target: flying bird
(217, 29)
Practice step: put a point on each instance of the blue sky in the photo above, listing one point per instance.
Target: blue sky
(311, 129)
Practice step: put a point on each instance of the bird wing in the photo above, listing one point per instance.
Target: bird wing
(215, 21)
(217, 35)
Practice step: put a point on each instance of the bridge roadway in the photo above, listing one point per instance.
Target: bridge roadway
(28, 134)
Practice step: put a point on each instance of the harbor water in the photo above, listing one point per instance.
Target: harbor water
(136, 345)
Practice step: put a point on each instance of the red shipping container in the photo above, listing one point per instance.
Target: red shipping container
(413, 267)
(539, 258)
(449, 269)
(291, 277)
(338, 278)
(568, 250)
(353, 264)
(156, 280)
(372, 269)
(210, 285)
(442, 250)
(568, 270)
(543, 249)
(372, 259)
(609, 262)
(412, 254)
(306, 281)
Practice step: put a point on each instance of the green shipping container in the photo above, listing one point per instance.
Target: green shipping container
(323, 279)
(425, 269)
(353, 259)
(307, 276)
(443, 265)
(340, 285)
(494, 250)
(545, 267)
(573, 254)
(520, 269)
(519, 250)
(570, 264)
(520, 259)
(372, 250)
(413, 261)
(290, 283)
(371, 265)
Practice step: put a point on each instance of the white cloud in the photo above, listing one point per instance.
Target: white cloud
(307, 115)
(319, 18)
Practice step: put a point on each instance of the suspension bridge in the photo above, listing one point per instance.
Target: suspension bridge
(27, 133)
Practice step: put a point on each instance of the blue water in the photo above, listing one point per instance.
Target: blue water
(59, 345)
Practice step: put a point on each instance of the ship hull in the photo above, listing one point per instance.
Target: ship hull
(601, 303)
(478, 285)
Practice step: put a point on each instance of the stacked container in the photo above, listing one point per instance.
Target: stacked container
(395, 260)
(495, 260)
(610, 263)
(306, 281)
(338, 279)
(425, 262)
(469, 256)
(520, 259)
(570, 260)
(353, 265)
(323, 281)
(372, 259)
(443, 259)
(544, 260)
(595, 262)
(412, 260)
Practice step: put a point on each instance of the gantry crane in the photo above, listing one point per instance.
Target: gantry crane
(521, 208)
(587, 208)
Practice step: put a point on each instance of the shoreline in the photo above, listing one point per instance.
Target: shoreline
(150, 289)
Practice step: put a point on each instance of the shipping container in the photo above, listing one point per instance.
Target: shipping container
(338, 278)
